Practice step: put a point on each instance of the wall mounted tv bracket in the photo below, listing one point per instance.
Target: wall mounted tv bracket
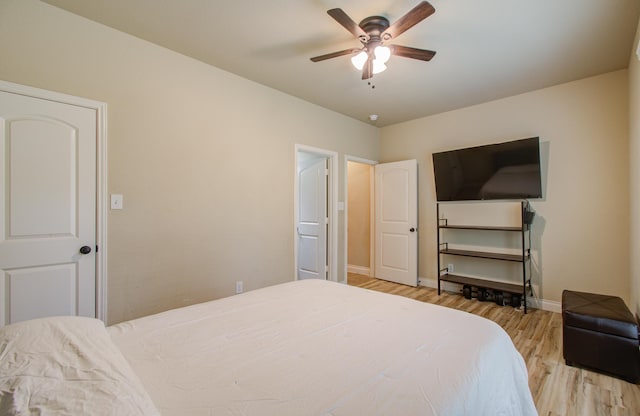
(528, 214)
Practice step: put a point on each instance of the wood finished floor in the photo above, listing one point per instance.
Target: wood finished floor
(557, 388)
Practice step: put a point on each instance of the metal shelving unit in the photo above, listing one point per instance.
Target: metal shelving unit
(478, 282)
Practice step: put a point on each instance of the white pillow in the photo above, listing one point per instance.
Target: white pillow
(66, 366)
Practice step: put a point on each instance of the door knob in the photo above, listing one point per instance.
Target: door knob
(85, 250)
(412, 229)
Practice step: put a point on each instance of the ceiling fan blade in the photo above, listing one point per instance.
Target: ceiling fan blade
(341, 17)
(334, 54)
(415, 16)
(413, 53)
(367, 69)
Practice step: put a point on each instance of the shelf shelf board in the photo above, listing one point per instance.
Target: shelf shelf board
(484, 255)
(488, 284)
(481, 227)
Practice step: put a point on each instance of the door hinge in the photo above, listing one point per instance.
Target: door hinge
(326, 220)
(96, 248)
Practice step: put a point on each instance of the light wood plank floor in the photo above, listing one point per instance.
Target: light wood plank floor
(557, 388)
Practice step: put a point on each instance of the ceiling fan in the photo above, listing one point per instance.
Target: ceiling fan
(373, 32)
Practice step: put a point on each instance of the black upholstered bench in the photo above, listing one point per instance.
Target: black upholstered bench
(600, 333)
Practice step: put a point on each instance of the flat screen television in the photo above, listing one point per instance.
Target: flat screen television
(509, 170)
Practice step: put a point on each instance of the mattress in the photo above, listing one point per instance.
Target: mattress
(314, 347)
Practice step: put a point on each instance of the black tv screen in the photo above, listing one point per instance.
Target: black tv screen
(509, 170)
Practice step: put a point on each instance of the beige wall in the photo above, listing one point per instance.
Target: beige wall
(581, 229)
(204, 158)
(634, 160)
(359, 225)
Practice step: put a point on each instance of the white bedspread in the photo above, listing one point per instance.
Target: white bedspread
(321, 348)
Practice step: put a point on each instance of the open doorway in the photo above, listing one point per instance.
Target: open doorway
(315, 219)
(359, 217)
(393, 220)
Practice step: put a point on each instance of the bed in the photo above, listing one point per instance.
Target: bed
(307, 347)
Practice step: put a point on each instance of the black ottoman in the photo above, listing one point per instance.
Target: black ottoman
(600, 333)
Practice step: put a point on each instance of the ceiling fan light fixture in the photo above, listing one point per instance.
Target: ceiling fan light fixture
(378, 67)
(359, 60)
(382, 53)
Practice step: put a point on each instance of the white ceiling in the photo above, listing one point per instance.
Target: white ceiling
(485, 49)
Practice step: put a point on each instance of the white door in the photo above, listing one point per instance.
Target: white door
(312, 220)
(396, 212)
(48, 208)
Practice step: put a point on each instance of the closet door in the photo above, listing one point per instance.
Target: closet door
(313, 221)
(48, 209)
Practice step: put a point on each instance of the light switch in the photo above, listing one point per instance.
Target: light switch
(116, 201)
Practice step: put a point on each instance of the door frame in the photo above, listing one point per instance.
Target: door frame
(371, 163)
(101, 177)
(332, 208)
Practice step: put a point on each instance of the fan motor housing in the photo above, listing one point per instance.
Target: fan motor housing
(374, 25)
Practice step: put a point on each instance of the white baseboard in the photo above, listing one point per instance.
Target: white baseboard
(358, 269)
(543, 304)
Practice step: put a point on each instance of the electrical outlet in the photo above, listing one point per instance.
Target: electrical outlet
(450, 268)
(239, 288)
